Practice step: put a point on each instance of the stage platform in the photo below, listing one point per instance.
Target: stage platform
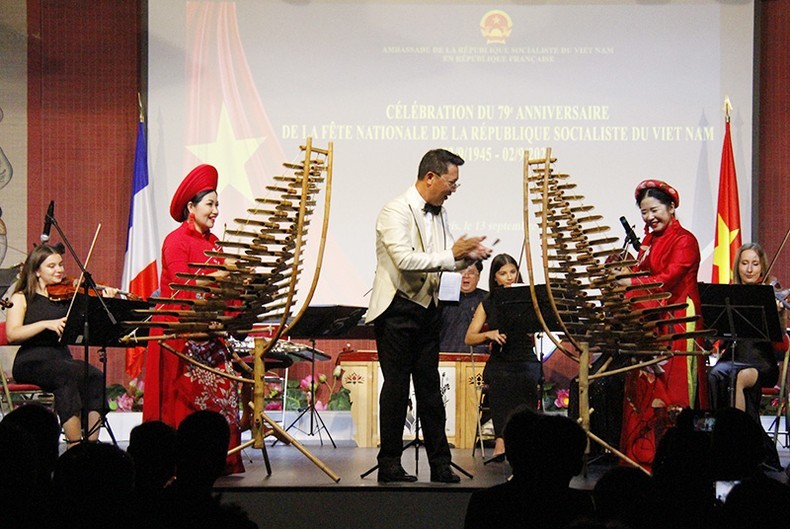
(299, 495)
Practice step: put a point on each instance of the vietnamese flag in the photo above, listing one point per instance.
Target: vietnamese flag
(728, 214)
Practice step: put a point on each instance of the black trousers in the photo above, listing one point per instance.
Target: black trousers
(54, 370)
(510, 385)
(407, 338)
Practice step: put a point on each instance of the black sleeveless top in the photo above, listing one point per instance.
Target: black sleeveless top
(520, 345)
(42, 308)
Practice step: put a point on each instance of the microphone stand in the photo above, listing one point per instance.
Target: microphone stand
(89, 284)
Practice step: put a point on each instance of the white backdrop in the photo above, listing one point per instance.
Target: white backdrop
(620, 90)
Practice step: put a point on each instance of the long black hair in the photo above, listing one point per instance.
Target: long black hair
(498, 262)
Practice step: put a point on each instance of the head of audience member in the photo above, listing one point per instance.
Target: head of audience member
(546, 450)
(757, 501)
(736, 445)
(43, 425)
(683, 457)
(152, 446)
(88, 481)
(750, 264)
(437, 176)
(624, 494)
(202, 449)
(471, 277)
(18, 469)
(504, 272)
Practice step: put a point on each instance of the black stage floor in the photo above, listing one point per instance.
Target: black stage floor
(298, 494)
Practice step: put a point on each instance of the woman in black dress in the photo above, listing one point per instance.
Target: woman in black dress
(756, 363)
(36, 323)
(513, 371)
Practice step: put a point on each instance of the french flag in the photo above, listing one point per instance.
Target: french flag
(140, 275)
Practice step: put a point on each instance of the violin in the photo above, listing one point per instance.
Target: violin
(67, 288)
(782, 296)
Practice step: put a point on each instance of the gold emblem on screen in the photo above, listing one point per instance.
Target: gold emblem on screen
(496, 26)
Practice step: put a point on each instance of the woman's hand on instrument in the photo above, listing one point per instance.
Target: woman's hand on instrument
(624, 281)
(109, 292)
(56, 325)
(496, 336)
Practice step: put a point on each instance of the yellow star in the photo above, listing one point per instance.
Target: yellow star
(721, 253)
(229, 155)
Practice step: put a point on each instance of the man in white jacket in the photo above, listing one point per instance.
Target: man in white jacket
(413, 245)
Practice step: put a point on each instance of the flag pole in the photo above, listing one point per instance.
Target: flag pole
(140, 107)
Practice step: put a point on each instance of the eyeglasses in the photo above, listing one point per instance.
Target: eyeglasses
(453, 185)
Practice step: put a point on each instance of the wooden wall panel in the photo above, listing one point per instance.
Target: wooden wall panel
(83, 69)
(773, 179)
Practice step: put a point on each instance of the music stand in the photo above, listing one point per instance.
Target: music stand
(321, 321)
(740, 313)
(518, 320)
(102, 317)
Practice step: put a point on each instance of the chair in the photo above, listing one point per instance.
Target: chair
(483, 412)
(780, 391)
(483, 416)
(15, 394)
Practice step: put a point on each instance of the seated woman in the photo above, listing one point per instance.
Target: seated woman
(513, 371)
(36, 323)
(755, 364)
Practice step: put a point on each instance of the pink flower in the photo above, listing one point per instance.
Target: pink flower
(320, 406)
(563, 398)
(274, 405)
(125, 402)
(306, 384)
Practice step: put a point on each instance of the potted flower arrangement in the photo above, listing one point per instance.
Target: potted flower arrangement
(555, 399)
(302, 392)
(123, 398)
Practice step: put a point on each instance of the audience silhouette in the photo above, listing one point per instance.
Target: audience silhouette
(166, 479)
(188, 502)
(42, 425)
(623, 495)
(545, 452)
(92, 485)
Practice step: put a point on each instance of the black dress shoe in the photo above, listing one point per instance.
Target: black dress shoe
(444, 475)
(395, 474)
(496, 459)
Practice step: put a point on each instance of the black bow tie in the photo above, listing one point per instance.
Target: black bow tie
(430, 208)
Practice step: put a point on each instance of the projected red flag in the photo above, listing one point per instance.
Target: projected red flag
(728, 214)
(140, 275)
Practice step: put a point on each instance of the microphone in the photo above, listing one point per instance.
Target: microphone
(48, 221)
(630, 236)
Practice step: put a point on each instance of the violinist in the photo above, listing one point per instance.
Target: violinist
(671, 255)
(755, 364)
(175, 388)
(513, 371)
(36, 322)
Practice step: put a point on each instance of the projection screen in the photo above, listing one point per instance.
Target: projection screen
(620, 91)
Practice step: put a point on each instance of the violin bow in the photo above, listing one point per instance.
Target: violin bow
(776, 255)
(82, 272)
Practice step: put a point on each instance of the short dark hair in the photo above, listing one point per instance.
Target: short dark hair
(437, 161)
